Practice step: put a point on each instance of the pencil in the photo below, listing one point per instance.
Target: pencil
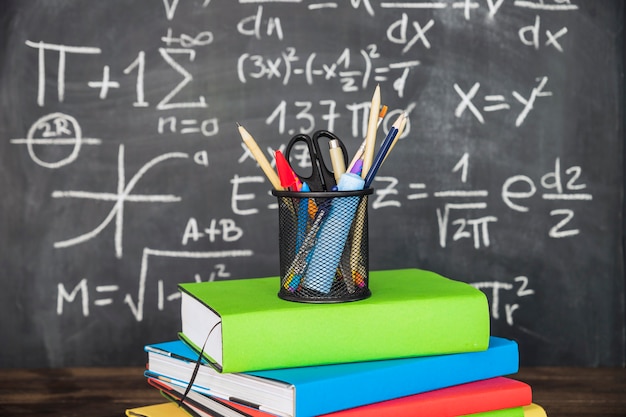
(260, 158)
(370, 138)
(359, 153)
(400, 131)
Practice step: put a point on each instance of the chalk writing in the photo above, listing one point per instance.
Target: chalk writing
(105, 295)
(63, 51)
(499, 100)
(226, 228)
(498, 290)
(56, 129)
(120, 198)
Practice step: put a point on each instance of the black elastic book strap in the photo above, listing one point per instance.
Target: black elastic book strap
(197, 367)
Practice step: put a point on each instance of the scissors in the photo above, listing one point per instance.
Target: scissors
(322, 178)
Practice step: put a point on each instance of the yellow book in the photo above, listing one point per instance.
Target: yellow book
(168, 409)
(534, 410)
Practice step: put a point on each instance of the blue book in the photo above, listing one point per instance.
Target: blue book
(314, 390)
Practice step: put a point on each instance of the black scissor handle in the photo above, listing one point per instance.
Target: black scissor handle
(314, 181)
(322, 178)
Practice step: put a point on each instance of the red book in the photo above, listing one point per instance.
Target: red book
(474, 397)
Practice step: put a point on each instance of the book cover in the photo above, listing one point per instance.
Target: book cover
(474, 397)
(297, 391)
(242, 325)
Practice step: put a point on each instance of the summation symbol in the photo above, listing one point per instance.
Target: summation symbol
(120, 198)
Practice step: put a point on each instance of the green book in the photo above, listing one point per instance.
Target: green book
(505, 412)
(242, 325)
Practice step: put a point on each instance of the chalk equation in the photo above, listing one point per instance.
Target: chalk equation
(498, 102)
(461, 213)
(111, 295)
(465, 7)
(55, 130)
(119, 199)
(506, 298)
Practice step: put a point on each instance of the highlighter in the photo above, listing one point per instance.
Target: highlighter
(288, 179)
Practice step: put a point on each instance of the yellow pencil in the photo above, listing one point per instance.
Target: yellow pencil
(260, 158)
(370, 138)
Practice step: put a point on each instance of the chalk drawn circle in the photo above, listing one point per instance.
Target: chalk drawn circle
(69, 123)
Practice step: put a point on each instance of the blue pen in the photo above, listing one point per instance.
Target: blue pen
(303, 216)
(382, 152)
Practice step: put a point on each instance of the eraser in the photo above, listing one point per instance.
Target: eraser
(350, 182)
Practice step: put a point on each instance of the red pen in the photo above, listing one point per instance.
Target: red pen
(288, 179)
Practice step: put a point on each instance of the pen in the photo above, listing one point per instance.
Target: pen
(370, 138)
(260, 157)
(382, 152)
(303, 216)
(336, 159)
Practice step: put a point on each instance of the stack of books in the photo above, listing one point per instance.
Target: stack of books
(419, 346)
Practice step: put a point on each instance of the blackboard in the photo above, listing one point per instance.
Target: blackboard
(123, 173)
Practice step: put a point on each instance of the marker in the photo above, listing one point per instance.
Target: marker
(382, 152)
(288, 179)
(370, 138)
(260, 158)
(337, 159)
(357, 168)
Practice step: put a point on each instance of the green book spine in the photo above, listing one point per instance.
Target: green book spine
(411, 313)
(505, 412)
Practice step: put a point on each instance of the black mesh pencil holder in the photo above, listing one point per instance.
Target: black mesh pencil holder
(323, 246)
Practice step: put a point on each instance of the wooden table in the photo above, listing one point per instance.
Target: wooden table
(108, 392)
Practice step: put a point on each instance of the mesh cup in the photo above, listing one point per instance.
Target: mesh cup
(323, 246)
